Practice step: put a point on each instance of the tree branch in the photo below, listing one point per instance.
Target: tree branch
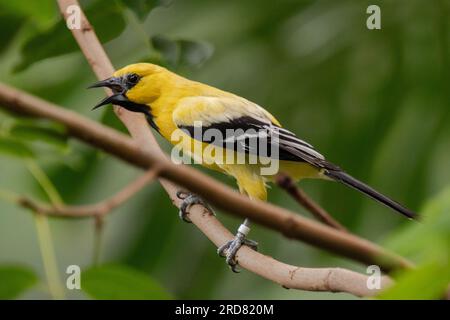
(219, 195)
(143, 151)
(276, 218)
(288, 223)
(309, 204)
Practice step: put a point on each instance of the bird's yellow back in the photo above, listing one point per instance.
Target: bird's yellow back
(165, 92)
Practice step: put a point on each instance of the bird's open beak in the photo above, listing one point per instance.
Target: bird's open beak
(114, 83)
(118, 99)
(118, 88)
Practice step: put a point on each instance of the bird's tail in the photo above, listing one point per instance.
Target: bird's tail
(348, 180)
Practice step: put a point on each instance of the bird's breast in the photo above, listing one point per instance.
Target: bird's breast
(162, 110)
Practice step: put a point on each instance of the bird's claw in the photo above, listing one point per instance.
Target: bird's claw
(190, 199)
(229, 249)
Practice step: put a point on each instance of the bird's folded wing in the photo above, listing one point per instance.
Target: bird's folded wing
(236, 123)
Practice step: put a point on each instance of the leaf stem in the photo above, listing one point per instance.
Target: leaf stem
(46, 247)
(45, 183)
(48, 256)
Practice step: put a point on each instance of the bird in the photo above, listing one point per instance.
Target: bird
(224, 132)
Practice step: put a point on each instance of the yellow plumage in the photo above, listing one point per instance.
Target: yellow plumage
(171, 102)
(177, 108)
(176, 101)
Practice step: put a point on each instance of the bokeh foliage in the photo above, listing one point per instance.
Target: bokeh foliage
(374, 101)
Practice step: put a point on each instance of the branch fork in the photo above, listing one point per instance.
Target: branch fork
(143, 151)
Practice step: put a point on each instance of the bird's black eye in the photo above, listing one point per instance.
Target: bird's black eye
(133, 78)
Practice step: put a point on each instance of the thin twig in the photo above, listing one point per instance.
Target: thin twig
(309, 204)
(98, 210)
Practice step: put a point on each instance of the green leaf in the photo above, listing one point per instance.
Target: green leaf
(121, 282)
(182, 52)
(14, 280)
(43, 11)
(428, 243)
(143, 7)
(39, 132)
(10, 25)
(104, 15)
(15, 148)
(427, 239)
(426, 282)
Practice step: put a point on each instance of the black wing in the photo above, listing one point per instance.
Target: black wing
(257, 137)
(250, 135)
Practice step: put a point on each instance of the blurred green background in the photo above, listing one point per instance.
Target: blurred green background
(376, 102)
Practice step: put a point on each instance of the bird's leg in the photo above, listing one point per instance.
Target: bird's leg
(190, 199)
(230, 248)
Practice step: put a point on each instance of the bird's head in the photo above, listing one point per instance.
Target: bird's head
(134, 87)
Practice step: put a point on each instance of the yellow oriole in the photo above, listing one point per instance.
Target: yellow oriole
(171, 102)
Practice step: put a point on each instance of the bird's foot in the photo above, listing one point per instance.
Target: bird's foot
(190, 199)
(229, 249)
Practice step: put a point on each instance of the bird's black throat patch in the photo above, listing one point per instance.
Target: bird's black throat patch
(142, 108)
